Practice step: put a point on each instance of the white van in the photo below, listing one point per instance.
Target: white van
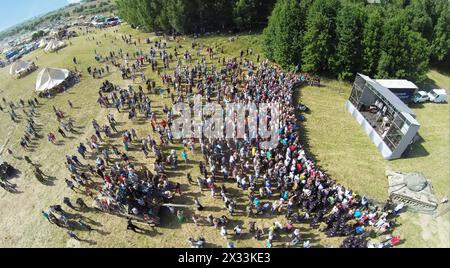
(438, 95)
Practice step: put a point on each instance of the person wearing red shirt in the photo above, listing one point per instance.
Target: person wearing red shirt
(299, 167)
(107, 179)
(163, 123)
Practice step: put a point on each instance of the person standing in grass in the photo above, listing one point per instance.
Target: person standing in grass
(184, 156)
(144, 150)
(82, 150)
(223, 232)
(237, 230)
(73, 235)
(195, 219)
(178, 188)
(70, 185)
(189, 178)
(46, 216)
(51, 138)
(180, 216)
(97, 133)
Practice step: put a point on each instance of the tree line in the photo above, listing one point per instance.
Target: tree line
(338, 38)
(390, 39)
(188, 16)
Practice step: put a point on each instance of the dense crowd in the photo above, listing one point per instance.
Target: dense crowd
(280, 181)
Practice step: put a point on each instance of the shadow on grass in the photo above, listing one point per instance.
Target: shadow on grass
(416, 150)
(48, 180)
(10, 187)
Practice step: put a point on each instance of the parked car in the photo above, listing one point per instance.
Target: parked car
(113, 21)
(438, 95)
(421, 97)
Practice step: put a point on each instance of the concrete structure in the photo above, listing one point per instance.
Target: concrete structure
(389, 123)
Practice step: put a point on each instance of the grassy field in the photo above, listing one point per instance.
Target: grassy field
(336, 140)
(345, 152)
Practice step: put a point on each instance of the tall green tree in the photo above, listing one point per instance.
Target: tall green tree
(373, 33)
(320, 37)
(214, 14)
(405, 53)
(141, 12)
(269, 32)
(283, 38)
(419, 19)
(181, 14)
(440, 45)
(252, 14)
(349, 52)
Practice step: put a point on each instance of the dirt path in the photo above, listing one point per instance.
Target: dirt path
(436, 230)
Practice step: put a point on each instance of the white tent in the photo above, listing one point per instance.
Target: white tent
(42, 43)
(54, 45)
(49, 78)
(19, 67)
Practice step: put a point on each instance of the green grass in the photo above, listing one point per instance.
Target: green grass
(335, 138)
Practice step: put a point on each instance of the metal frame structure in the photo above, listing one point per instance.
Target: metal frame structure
(388, 122)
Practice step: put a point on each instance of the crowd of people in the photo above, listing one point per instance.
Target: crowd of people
(303, 192)
(282, 181)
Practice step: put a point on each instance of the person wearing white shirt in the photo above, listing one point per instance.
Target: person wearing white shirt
(237, 230)
(223, 232)
(306, 244)
(238, 181)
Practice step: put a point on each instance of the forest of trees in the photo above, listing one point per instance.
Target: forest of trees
(187, 16)
(338, 38)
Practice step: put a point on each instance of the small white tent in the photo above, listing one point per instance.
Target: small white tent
(49, 78)
(54, 45)
(42, 43)
(20, 66)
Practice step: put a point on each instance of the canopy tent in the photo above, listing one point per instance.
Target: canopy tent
(54, 45)
(20, 66)
(49, 78)
(42, 43)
